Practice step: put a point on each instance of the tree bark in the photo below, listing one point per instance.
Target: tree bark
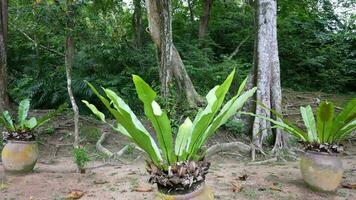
(137, 23)
(181, 76)
(204, 19)
(191, 11)
(165, 71)
(266, 75)
(4, 100)
(69, 59)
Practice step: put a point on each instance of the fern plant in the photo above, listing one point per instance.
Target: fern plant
(171, 156)
(22, 128)
(324, 133)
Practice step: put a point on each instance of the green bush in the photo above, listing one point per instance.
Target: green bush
(81, 157)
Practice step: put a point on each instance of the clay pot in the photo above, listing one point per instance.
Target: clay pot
(19, 156)
(321, 171)
(201, 192)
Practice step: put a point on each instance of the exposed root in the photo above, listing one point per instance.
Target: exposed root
(217, 148)
(275, 159)
(100, 147)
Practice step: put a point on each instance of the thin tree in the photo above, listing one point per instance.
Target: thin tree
(160, 27)
(4, 101)
(69, 59)
(265, 75)
(204, 19)
(137, 23)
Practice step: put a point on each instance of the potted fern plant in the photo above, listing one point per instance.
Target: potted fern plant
(178, 167)
(20, 152)
(320, 166)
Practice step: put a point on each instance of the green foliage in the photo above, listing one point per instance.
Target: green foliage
(234, 126)
(191, 136)
(23, 124)
(81, 157)
(326, 129)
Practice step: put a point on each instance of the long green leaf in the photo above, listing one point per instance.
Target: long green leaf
(24, 107)
(215, 98)
(282, 125)
(183, 139)
(309, 121)
(227, 111)
(50, 115)
(130, 122)
(95, 111)
(345, 131)
(325, 116)
(347, 115)
(7, 119)
(158, 118)
(125, 122)
(30, 124)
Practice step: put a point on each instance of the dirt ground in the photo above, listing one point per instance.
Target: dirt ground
(54, 175)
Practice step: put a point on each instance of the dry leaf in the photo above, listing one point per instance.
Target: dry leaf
(236, 187)
(275, 188)
(143, 188)
(100, 182)
(131, 173)
(75, 194)
(243, 177)
(349, 185)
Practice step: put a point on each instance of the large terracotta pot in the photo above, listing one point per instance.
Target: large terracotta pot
(201, 192)
(321, 171)
(19, 156)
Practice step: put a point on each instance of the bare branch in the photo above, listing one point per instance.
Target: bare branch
(40, 45)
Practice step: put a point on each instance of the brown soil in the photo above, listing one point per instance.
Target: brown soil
(54, 175)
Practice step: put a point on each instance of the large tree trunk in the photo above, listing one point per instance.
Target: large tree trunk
(204, 19)
(137, 23)
(164, 6)
(266, 75)
(155, 20)
(4, 101)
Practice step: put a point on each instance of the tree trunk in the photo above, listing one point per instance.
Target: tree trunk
(69, 56)
(69, 59)
(266, 75)
(155, 18)
(191, 11)
(164, 6)
(204, 19)
(4, 100)
(137, 23)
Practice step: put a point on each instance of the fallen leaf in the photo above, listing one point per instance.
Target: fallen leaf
(143, 188)
(349, 185)
(275, 188)
(100, 182)
(236, 187)
(131, 173)
(75, 194)
(243, 177)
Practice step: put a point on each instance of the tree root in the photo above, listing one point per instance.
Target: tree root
(107, 152)
(275, 159)
(217, 148)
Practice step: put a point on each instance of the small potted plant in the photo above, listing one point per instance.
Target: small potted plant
(320, 166)
(178, 167)
(20, 152)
